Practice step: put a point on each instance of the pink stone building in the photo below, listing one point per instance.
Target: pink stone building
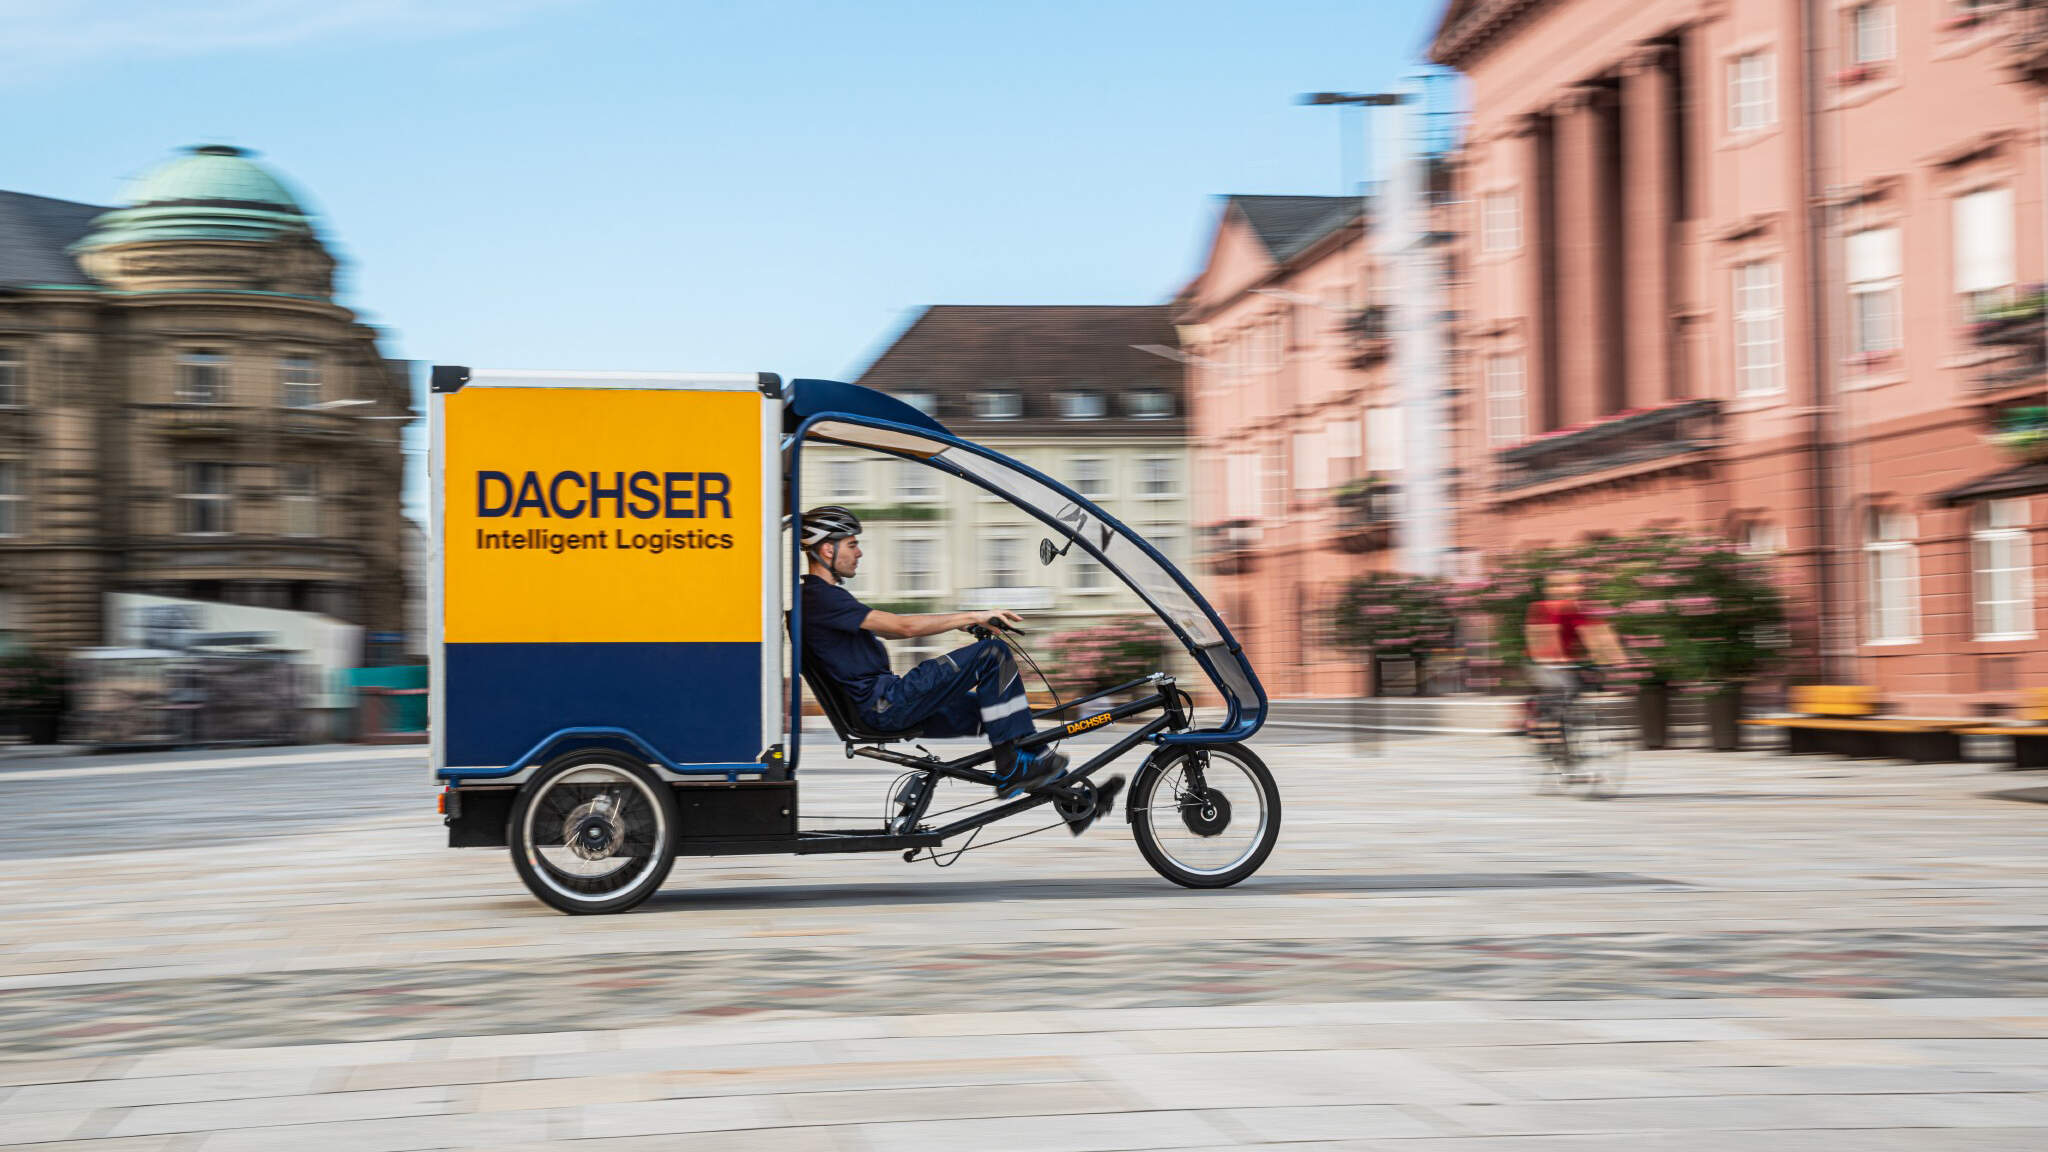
(1296, 432)
(1727, 264)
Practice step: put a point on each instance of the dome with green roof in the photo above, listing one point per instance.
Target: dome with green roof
(212, 192)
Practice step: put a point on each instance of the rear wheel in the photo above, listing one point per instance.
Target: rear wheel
(1205, 817)
(593, 832)
(1596, 738)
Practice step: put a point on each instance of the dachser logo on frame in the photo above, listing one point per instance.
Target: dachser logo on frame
(1080, 726)
(596, 495)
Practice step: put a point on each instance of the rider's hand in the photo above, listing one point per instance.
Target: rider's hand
(1000, 618)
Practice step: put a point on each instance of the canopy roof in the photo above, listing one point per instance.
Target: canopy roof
(833, 412)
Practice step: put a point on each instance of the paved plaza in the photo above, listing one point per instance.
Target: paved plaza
(271, 950)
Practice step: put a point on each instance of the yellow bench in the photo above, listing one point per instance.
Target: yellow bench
(1843, 719)
(2029, 734)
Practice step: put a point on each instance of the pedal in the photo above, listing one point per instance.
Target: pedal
(911, 801)
(1085, 802)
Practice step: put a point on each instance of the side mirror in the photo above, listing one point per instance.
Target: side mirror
(1046, 552)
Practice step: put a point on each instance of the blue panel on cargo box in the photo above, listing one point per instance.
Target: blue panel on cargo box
(696, 703)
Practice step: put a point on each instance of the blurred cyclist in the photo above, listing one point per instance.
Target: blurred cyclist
(1565, 642)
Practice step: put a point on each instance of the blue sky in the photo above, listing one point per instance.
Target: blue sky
(760, 186)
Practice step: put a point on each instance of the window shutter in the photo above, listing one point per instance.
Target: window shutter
(1983, 239)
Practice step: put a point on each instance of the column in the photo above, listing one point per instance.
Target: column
(1537, 171)
(1583, 343)
(1648, 197)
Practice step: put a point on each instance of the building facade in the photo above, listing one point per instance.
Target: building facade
(1060, 388)
(1297, 426)
(186, 411)
(1756, 270)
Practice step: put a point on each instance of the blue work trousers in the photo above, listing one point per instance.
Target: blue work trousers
(967, 691)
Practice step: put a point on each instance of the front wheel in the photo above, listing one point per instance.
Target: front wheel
(1205, 817)
(593, 832)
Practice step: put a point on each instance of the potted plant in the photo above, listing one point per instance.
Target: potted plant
(2023, 434)
(31, 696)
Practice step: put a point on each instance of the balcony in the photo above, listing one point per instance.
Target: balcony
(2017, 331)
(1372, 336)
(201, 421)
(1645, 436)
(1231, 546)
(2026, 41)
(1366, 513)
(316, 424)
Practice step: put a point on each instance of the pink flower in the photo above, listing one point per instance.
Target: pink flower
(1643, 607)
(1696, 605)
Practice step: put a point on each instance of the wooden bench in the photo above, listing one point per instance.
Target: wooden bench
(1843, 720)
(2029, 734)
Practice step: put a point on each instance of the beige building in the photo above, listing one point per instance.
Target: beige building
(186, 411)
(1061, 389)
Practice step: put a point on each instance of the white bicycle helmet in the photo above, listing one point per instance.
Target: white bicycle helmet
(825, 524)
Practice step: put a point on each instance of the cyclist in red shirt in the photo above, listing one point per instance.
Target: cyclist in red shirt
(1565, 642)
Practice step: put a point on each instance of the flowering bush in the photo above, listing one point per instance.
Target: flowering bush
(1091, 659)
(1391, 613)
(1685, 609)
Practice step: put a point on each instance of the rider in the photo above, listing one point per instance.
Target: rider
(1563, 636)
(970, 690)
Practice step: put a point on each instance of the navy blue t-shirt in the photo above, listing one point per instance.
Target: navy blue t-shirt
(834, 640)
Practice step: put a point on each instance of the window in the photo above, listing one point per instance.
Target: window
(202, 499)
(1242, 486)
(299, 378)
(916, 481)
(202, 377)
(1758, 319)
(1088, 573)
(1166, 538)
(1870, 34)
(1150, 404)
(1311, 463)
(1894, 578)
(1001, 561)
(1500, 222)
(1752, 99)
(1383, 438)
(1346, 446)
(13, 499)
(1983, 244)
(1090, 475)
(1266, 346)
(1081, 406)
(2002, 563)
(13, 393)
(917, 567)
(1505, 405)
(925, 402)
(1761, 539)
(301, 491)
(998, 405)
(1158, 477)
(1873, 260)
(843, 477)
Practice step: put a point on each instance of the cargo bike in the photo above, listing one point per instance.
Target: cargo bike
(612, 681)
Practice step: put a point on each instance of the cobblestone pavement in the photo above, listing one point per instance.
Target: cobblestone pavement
(271, 950)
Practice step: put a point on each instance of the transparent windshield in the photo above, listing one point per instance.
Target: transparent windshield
(1119, 549)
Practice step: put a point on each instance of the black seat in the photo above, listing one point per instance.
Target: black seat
(845, 717)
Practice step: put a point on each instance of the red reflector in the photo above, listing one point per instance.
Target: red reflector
(441, 802)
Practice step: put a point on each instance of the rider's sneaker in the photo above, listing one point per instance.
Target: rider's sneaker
(1031, 773)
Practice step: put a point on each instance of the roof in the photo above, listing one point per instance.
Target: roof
(1469, 28)
(211, 192)
(956, 350)
(1288, 225)
(34, 233)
